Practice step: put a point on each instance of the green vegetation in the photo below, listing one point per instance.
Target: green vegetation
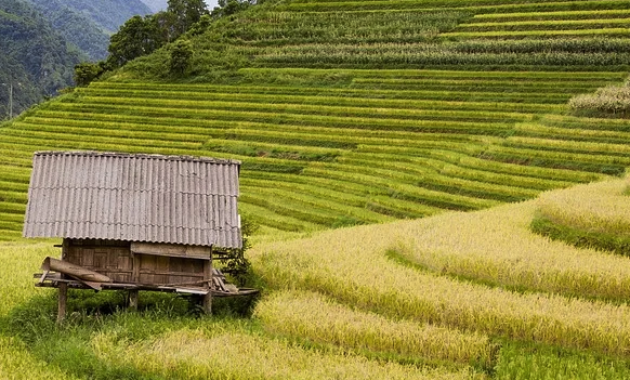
(35, 61)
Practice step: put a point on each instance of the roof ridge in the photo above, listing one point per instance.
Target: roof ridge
(187, 158)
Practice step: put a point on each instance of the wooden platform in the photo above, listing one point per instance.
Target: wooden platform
(219, 287)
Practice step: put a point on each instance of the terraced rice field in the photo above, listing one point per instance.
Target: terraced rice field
(412, 144)
(348, 112)
(364, 112)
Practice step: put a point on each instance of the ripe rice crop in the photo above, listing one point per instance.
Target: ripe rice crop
(566, 15)
(595, 148)
(603, 208)
(543, 25)
(364, 277)
(613, 32)
(572, 134)
(307, 315)
(498, 248)
(611, 101)
(236, 356)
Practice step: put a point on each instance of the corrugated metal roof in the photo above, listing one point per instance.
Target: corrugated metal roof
(144, 198)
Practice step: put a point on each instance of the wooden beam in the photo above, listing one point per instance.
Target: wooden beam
(135, 268)
(73, 270)
(172, 250)
(207, 271)
(62, 301)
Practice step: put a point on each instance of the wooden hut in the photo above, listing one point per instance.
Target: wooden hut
(134, 222)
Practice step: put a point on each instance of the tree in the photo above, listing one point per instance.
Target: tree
(86, 72)
(137, 37)
(181, 56)
(186, 13)
(233, 259)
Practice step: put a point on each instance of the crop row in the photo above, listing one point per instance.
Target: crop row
(307, 109)
(268, 219)
(394, 182)
(420, 60)
(407, 73)
(594, 124)
(328, 200)
(543, 25)
(514, 100)
(561, 160)
(389, 50)
(270, 131)
(541, 45)
(239, 356)
(312, 316)
(431, 174)
(572, 134)
(351, 205)
(293, 206)
(377, 198)
(291, 119)
(478, 6)
(543, 89)
(325, 27)
(471, 160)
(365, 278)
(474, 109)
(609, 32)
(548, 88)
(619, 153)
(540, 16)
(499, 249)
(601, 208)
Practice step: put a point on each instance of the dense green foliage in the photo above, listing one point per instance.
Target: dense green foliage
(35, 59)
(108, 15)
(141, 36)
(181, 56)
(41, 41)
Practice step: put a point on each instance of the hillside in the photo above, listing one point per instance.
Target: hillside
(108, 15)
(42, 41)
(385, 110)
(34, 57)
(76, 28)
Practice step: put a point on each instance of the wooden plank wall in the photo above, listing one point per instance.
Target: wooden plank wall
(161, 270)
(115, 260)
(110, 258)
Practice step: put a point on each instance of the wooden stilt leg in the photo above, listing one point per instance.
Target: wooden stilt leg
(207, 299)
(63, 298)
(133, 300)
(207, 303)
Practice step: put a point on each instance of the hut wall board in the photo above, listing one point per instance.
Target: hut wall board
(116, 260)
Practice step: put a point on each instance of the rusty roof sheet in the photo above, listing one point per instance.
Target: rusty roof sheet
(131, 197)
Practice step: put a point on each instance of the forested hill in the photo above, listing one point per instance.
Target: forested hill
(88, 24)
(35, 58)
(42, 40)
(107, 14)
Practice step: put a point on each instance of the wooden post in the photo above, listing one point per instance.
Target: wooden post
(133, 300)
(135, 268)
(207, 299)
(63, 298)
